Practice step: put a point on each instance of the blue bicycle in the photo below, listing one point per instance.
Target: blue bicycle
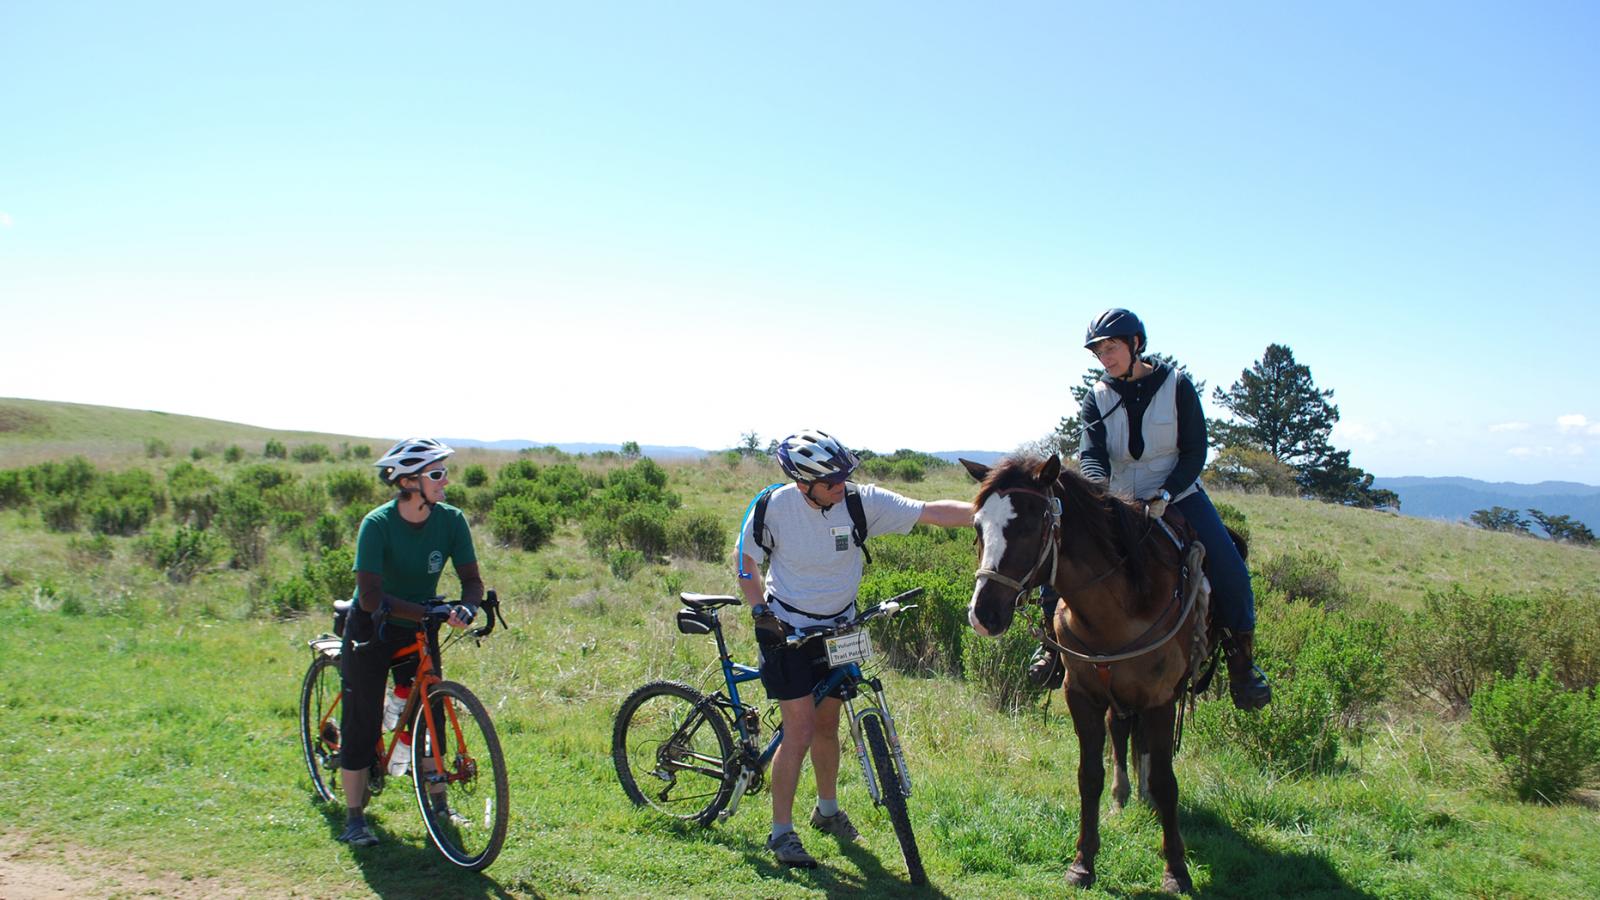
(674, 745)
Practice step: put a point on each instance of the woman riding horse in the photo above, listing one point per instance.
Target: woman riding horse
(1144, 435)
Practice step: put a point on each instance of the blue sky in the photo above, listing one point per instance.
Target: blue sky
(675, 223)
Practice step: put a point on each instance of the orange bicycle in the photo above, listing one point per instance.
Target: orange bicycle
(456, 752)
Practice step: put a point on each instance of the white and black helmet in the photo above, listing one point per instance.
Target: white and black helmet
(409, 457)
(815, 455)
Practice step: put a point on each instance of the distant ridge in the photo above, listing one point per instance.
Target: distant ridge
(1458, 498)
(654, 451)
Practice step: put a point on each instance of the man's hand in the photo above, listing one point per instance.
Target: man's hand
(769, 630)
(461, 616)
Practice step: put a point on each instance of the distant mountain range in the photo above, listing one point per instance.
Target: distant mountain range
(1458, 498)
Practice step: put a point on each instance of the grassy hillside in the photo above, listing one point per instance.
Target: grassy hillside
(162, 718)
(37, 430)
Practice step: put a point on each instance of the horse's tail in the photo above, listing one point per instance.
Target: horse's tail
(1241, 542)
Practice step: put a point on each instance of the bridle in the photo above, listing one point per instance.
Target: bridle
(1048, 546)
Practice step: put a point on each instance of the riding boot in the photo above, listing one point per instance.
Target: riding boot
(1246, 683)
(1044, 669)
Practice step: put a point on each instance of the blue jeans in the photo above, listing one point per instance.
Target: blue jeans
(1233, 603)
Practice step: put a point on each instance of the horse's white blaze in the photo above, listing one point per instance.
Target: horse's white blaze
(991, 520)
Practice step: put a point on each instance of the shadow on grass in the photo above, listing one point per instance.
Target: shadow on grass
(1239, 866)
(397, 867)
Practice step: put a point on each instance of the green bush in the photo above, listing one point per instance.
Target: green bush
(312, 453)
(475, 475)
(360, 451)
(327, 532)
(1298, 734)
(644, 528)
(96, 549)
(347, 486)
(234, 453)
(58, 479)
(1308, 577)
(998, 667)
(625, 564)
(120, 515)
(940, 561)
(275, 449)
(242, 518)
(1459, 641)
(197, 453)
(698, 535)
(1546, 738)
(14, 489)
(1233, 518)
(195, 494)
(600, 535)
(263, 476)
(299, 502)
(154, 447)
(60, 513)
(1565, 639)
(521, 521)
(182, 554)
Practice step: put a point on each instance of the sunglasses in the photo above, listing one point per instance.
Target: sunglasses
(434, 475)
(834, 480)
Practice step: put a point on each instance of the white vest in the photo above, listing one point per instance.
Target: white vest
(1140, 479)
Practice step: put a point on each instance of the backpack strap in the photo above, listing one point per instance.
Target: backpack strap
(758, 529)
(858, 520)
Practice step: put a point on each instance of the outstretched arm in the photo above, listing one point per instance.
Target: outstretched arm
(946, 513)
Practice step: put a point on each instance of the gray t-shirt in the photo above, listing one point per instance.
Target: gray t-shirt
(816, 565)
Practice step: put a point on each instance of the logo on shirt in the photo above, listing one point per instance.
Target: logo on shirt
(841, 538)
(435, 562)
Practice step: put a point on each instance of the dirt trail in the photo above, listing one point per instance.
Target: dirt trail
(33, 869)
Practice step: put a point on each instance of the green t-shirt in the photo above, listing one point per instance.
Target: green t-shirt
(410, 557)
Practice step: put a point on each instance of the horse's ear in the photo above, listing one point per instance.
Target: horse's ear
(1050, 470)
(978, 471)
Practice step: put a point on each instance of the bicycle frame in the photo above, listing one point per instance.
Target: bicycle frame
(849, 677)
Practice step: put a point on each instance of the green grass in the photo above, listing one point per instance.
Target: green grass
(160, 724)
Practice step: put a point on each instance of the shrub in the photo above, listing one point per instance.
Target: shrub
(698, 536)
(327, 532)
(625, 564)
(1252, 469)
(180, 555)
(197, 453)
(1459, 641)
(60, 513)
(299, 502)
(644, 528)
(908, 470)
(998, 667)
(96, 549)
(154, 447)
(600, 534)
(263, 476)
(1233, 518)
(360, 451)
(1309, 577)
(241, 518)
(274, 449)
(475, 475)
(73, 477)
(1546, 739)
(312, 453)
(120, 515)
(195, 494)
(14, 489)
(234, 453)
(347, 486)
(521, 521)
(1565, 639)
(930, 637)
(1297, 734)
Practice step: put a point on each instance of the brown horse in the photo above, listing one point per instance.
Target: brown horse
(1123, 630)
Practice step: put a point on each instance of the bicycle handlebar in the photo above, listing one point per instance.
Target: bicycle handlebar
(890, 607)
(441, 612)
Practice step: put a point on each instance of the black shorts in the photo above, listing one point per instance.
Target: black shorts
(789, 673)
(365, 674)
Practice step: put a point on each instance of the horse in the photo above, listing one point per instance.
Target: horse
(1125, 629)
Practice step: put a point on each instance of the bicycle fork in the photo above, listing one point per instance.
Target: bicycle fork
(881, 710)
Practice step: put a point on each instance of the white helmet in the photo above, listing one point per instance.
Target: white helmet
(815, 455)
(409, 457)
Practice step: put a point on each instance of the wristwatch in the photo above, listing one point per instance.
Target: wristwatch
(1164, 496)
(759, 610)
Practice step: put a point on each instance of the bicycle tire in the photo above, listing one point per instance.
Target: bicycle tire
(665, 729)
(891, 796)
(319, 725)
(472, 831)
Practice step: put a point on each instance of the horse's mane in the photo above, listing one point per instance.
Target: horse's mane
(1088, 511)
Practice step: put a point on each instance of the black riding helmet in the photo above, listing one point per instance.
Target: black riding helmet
(1115, 323)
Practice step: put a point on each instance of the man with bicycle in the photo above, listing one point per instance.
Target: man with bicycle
(814, 560)
(400, 554)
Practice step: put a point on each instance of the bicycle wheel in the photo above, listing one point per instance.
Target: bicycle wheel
(673, 752)
(319, 725)
(465, 805)
(892, 797)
